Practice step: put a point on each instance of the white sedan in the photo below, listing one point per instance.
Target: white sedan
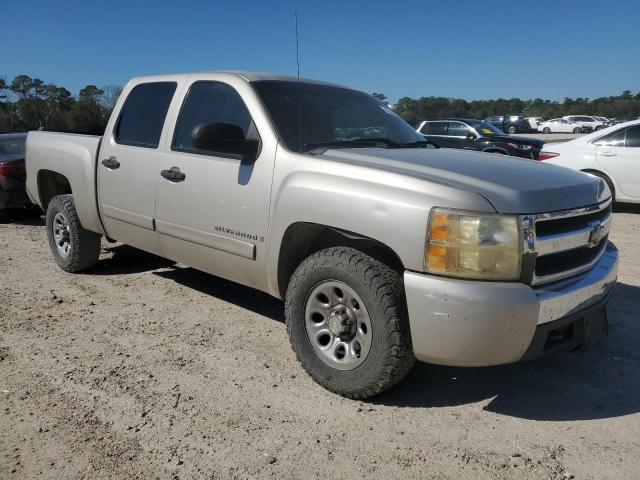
(559, 125)
(587, 121)
(612, 154)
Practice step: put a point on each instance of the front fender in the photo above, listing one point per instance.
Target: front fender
(388, 207)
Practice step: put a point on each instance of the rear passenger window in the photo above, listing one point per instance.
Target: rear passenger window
(633, 136)
(209, 102)
(143, 114)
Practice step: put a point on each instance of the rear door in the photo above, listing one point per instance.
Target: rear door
(435, 132)
(127, 164)
(215, 216)
(619, 155)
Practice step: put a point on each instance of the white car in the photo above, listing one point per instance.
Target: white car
(612, 154)
(534, 122)
(560, 125)
(587, 121)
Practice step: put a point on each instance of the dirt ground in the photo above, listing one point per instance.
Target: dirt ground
(145, 369)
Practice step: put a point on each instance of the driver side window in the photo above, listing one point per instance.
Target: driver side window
(209, 102)
(457, 129)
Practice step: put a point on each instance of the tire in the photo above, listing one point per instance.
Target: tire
(608, 182)
(546, 130)
(577, 130)
(74, 248)
(511, 130)
(385, 355)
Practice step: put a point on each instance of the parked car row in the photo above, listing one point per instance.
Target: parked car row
(470, 134)
(513, 124)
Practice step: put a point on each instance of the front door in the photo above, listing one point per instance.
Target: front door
(214, 214)
(457, 136)
(127, 163)
(619, 155)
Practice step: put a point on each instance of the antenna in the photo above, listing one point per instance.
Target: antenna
(299, 98)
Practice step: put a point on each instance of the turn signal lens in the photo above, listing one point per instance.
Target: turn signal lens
(547, 155)
(473, 245)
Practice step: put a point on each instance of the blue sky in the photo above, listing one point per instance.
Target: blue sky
(465, 49)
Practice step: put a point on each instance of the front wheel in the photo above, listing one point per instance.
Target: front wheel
(546, 130)
(73, 248)
(577, 130)
(347, 322)
(512, 129)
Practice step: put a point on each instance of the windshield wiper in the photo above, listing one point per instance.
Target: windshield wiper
(321, 147)
(417, 143)
(386, 141)
(362, 142)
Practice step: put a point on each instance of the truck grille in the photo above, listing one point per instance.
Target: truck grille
(562, 261)
(568, 243)
(567, 224)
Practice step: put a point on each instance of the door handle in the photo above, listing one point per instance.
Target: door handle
(173, 175)
(608, 154)
(111, 163)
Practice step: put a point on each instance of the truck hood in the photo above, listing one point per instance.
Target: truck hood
(511, 185)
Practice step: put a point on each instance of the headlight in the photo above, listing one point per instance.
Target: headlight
(473, 245)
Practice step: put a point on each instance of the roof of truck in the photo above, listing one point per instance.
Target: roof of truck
(248, 76)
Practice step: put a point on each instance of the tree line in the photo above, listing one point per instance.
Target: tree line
(624, 106)
(30, 104)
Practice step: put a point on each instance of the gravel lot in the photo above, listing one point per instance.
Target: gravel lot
(146, 369)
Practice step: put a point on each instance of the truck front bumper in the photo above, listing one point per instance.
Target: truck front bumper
(473, 324)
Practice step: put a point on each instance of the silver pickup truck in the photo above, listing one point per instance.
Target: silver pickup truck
(384, 250)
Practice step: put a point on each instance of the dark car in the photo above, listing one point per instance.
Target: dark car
(12, 173)
(509, 123)
(478, 135)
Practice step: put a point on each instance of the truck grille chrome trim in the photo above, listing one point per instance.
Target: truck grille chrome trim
(566, 243)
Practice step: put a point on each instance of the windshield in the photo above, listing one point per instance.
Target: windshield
(484, 128)
(331, 115)
(13, 146)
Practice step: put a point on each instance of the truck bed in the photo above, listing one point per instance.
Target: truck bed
(73, 158)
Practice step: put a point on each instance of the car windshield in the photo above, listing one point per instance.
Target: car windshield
(13, 146)
(335, 117)
(484, 128)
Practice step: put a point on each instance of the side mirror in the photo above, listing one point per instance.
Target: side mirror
(225, 138)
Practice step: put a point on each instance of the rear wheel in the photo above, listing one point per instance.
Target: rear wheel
(512, 129)
(577, 130)
(73, 248)
(546, 130)
(347, 322)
